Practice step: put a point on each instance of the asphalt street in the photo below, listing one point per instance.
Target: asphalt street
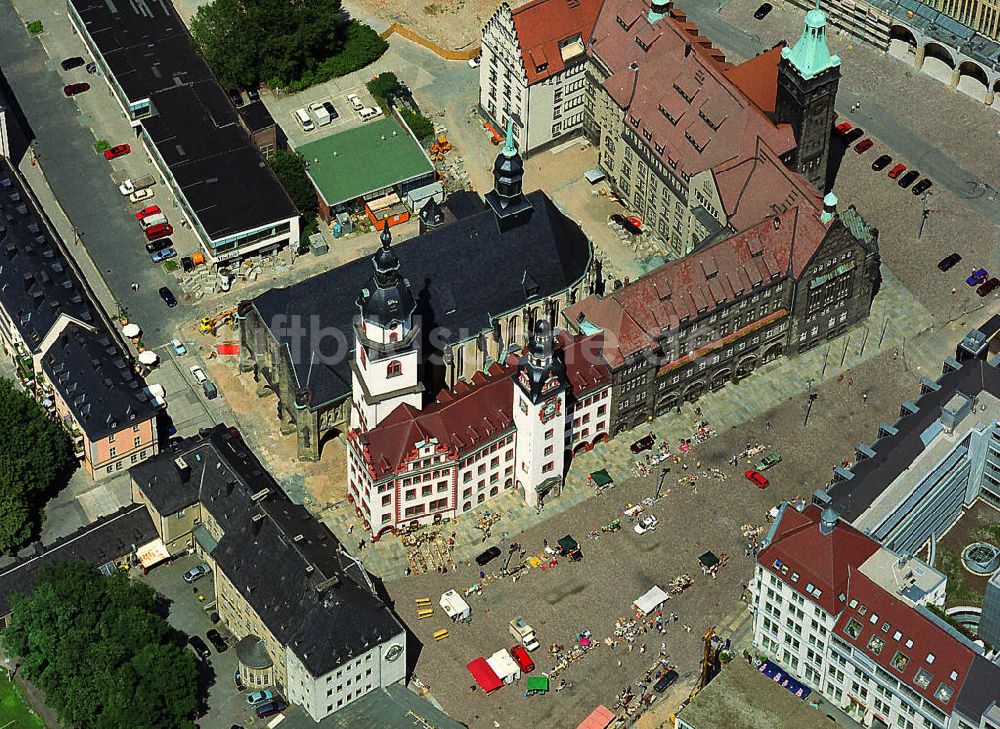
(873, 116)
(81, 180)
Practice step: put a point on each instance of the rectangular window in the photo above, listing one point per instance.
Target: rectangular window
(113, 452)
(136, 442)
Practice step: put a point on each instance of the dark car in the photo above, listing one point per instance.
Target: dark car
(949, 262)
(159, 245)
(330, 110)
(667, 680)
(921, 187)
(626, 223)
(989, 286)
(271, 708)
(92, 67)
(761, 12)
(74, 89)
(236, 97)
(488, 556)
(171, 301)
(68, 64)
(881, 163)
(906, 180)
(253, 95)
(216, 639)
(854, 135)
(199, 646)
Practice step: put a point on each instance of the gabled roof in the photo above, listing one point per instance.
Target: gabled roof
(541, 25)
(757, 77)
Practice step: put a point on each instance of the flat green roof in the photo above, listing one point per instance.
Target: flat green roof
(358, 161)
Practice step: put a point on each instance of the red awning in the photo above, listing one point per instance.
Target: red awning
(485, 676)
(599, 718)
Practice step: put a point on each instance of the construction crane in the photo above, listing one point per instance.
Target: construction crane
(710, 664)
(211, 324)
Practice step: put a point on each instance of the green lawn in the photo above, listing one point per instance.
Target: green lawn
(15, 711)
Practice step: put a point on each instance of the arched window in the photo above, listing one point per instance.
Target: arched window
(393, 337)
(395, 369)
(512, 332)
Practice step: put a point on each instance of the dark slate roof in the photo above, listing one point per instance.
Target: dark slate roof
(195, 127)
(256, 116)
(286, 564)
(393, 707)
(96, 380)
(980, 690)
(895, 453)
(461, 275)
(105, 540)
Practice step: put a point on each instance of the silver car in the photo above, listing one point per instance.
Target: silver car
(196, 573)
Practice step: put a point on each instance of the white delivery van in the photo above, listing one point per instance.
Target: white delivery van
(150, 220)
(302, 116)
(321, 115)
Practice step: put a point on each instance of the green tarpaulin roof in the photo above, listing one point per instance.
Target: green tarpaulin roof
(602, 477)
(538, 683)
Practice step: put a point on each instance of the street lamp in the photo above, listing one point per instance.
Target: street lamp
(659, 486)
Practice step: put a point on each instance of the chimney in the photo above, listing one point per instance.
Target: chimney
(183, 469)
(687, 49)
(829, 208)
(827, 520)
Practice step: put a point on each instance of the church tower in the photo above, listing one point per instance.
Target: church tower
(385, 369)
(507, 197)
(540, 417)
(808, 75)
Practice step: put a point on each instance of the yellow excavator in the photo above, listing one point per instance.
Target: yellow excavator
(211, 324)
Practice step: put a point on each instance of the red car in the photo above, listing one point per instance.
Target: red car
(842, 128)
(74, 89)
(522, 658)
(896, 171)
(863, 146)
(119, 150)
(757, 478)
(146, 212)
(160, 230)
(988, 286)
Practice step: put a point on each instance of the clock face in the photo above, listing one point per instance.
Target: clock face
(394, 652)
(549, 411)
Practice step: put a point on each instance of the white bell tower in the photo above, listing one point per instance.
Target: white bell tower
(540, 417)
(385, 371)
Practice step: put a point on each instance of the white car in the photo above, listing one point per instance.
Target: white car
(474, 62)
(355, 102)
(199, 374)
(140, 195)
(645, 524)
(369, 113)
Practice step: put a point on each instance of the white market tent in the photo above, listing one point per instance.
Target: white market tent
(651, 600)
(504, 666)
(455, 607)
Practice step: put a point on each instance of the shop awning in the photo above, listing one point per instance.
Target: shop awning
(651, 600)
(504, 666)
(601, 478)
(778, 674)
(485, 676)
(152, 553)
(599, 718)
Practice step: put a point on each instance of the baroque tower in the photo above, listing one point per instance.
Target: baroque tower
(385, 371)
(808, 75)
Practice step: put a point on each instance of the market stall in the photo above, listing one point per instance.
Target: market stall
(651, 600)
(504, 666)
(485, 676)
(601, 479)
(454, 606)
(599, 718)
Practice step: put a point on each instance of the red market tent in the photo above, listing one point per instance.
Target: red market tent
(599, 718)
(485, 676)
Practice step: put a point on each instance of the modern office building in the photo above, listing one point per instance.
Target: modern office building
(202, 148)
(849, 618)
(305, 613)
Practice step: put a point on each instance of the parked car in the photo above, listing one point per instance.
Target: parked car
(863, 146)
(178, 346)
(165, 255)
(474, 62)
(906, 180)
(196, 573)
(140, 195)
(768, 461)
(921, 187)
(119, 150)
(632, 224)
(854, 135)
(216, 639)
(198, 373)
(236, 97)
(948, 262)
(92, 67)
(667, 680)
(305, 121)
(207, 386)
(320, 114)
(522, 658)
(148, 211)
(988, 287)
(150, 220)
(881, 163)
(168, 297)
(843, 128)
(757, 478)
(488, 556)
(331, 110)
(68, 64)
(259, 697)
(271, 708)
(645, 524)
(762, 12)
(159, 231)
(200, 649)
(355, 102)
(253, 95)
(74, 89)
(159, 245)
(977, 277)
(897, 171)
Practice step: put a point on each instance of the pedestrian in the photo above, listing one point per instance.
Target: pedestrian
(642, 648)
(953, 290)
(619, 664)
(864, 398)
(472, 687)
(687, 628)
(350, 529)
(482, 574)
(545, 543)
(767, 425)
(663, 645)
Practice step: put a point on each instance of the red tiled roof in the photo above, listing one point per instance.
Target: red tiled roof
(474, 413)
(919, 638)
(542, 24)
(635, 316)
(758, 78)
(799, 550)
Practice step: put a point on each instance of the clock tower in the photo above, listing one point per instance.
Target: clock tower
(540, 417)
(808, 76)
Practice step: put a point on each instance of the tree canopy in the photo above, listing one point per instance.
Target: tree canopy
(34, 460)
(283, 44)
(290, 169)
(100, 652)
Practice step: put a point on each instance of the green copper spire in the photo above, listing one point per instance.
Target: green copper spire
(810, 56)
(509, 148)
(658, 10)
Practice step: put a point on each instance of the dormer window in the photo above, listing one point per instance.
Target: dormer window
(394, 369)
(541, 67)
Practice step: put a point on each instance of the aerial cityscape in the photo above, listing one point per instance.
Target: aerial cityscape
(563, 363)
